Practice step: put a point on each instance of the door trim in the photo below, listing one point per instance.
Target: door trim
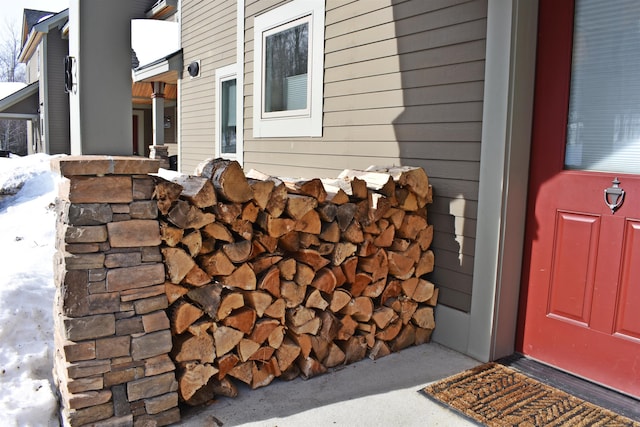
(488, 331)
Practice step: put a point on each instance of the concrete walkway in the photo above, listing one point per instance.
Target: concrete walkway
(384, 392)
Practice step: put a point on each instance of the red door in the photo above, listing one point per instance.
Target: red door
(581, 283)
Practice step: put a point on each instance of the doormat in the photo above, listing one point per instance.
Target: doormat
(495, 395)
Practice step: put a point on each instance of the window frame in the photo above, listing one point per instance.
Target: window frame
(224, 74)
(292, 123)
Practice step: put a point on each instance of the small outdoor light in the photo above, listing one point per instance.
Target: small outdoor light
(194, 68)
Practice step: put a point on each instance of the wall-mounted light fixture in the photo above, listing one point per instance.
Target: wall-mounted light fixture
(194, 68)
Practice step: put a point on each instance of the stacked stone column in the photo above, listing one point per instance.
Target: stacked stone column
(112, 334)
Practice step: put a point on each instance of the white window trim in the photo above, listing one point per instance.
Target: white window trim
(223, 74)
(293, 125)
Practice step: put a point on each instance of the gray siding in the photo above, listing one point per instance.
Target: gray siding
(57, 49)
(208, 35)
(403, 84)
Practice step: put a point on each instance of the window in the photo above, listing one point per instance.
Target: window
(288, 57)
(226, 112)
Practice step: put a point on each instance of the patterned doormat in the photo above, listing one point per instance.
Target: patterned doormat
(495, 395)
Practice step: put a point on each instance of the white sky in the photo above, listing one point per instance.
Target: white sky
(11, 10)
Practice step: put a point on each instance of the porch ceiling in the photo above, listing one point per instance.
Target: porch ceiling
(141, 92)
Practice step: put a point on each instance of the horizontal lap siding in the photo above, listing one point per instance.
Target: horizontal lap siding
(208, 35)
(403, 84)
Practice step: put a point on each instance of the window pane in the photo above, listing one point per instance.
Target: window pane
(603, 133)
(228, 117)
(286, 60)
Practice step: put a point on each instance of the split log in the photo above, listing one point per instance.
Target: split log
(382, 316)
(198, 348)
(207, 297)
(287, 354)
(227, 212)
(262, 330)
(339, 299)
(242, 319)
(290, 242)
(423, 336)
(228, 179)
(417, 289)
(178, 263)
(303, 341)
(292, 293)
(196, 277)
(199, 191)
(335, 356)
(276, 337)
(359, 308)
(274, 226)
(304, 274)
(243, 372)
(405, 338)
(355, 348)
(327, 212)
(423, 317)
(174, 292)
(425, 237)
(310, 367)
(298, 205)
(246, 349)
(261, 264)
(345, 215)
(170, 235)
(405, 309)
(287, 268)
(218, 231)
(270, 282)
(277, 310)
(330, 232)
(299, 316)
(425, 264)
(261, 191)
(216, 264)
(242, 277)
(312, 187)
(380, 349)
(400, 265)
(166, 193)
(315, 300)
(192, 377)
(225, 339)
(330, 326)
(391, 331)
(347, 329)
(325, 281)
(309, 223)
(342, 251)
(182, 315)
(258, 300)
(312, 327)
(193, 242)
(230, 302)
(238, 251)
(226, 363)
(312, 258)
(263, 373)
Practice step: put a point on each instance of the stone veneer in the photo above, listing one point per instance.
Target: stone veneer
(112, 334)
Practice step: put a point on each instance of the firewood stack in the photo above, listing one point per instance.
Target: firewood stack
(273, 277)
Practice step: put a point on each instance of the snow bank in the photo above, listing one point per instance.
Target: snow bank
(27, 232)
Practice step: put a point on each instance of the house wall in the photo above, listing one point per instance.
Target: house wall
(58, 99)
(208, 35)
(403, 84)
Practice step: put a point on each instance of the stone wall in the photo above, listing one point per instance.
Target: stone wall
(112, 334)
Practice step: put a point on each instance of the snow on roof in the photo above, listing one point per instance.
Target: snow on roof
(154, 39)
(7, 88)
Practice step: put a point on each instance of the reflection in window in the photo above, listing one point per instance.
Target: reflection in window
(286, 69)
(228, 117)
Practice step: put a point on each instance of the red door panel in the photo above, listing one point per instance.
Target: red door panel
(573, 265)
(580, 307)
(628, 304)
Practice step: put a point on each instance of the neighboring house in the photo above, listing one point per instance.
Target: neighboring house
(42, 103)
(310, 87)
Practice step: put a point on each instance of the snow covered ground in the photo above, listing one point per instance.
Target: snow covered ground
(27, 231)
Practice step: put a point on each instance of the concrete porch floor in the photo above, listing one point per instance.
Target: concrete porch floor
(384, 392)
